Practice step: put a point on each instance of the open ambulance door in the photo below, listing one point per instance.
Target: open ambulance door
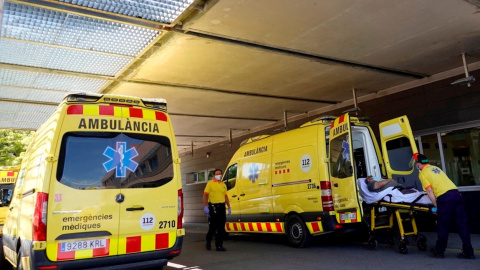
(398, 146)
(342, 173)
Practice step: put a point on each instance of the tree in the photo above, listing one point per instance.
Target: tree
(13, 144)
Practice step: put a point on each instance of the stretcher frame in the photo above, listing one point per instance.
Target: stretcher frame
(403, 213)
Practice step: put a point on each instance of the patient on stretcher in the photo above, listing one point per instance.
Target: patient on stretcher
(390, 191)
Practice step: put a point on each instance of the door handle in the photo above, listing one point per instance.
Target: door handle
(135, 208)
(335, 185)
(242, 194)
(234, 196)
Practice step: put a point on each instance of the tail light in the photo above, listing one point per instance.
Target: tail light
(180, 210)
(326, 193)
(40, 217)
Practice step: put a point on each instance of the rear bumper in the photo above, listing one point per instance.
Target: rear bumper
(142, 260)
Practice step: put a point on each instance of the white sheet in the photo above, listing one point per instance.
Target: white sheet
(397, 196)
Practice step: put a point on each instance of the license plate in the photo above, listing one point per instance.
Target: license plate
(83, 244)
(348, 216)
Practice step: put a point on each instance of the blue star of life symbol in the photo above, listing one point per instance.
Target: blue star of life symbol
(346, 149)
(436, 170)
(120, 159)
(253, 173)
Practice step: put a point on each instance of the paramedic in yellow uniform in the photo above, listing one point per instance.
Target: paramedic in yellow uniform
(445, 196)
(215, 194)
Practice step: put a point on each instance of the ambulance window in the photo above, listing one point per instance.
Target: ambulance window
(230, 178)
(327, 140)
(340, 158)
(6, 192)
(399, 154)
(103, 160)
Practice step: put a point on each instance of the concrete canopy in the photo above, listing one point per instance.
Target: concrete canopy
(231, 64)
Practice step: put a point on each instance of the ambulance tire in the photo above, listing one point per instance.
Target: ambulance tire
(297, 232)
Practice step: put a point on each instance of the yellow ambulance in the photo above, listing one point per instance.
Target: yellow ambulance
(99, 187)
(303, 182)
(8, 175)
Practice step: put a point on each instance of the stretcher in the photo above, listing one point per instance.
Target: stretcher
(382, 209)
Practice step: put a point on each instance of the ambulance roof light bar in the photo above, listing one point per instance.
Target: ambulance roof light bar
(82, 96)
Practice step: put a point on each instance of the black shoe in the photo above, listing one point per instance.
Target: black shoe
(208, 245)
(436, 254)
(221, 249)
(464, 255)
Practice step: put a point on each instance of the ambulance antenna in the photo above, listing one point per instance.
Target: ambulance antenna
(355, 108)
(230, 135)
(285, 123)
(468, 79)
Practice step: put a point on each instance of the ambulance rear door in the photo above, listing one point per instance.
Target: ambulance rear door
(115, 190)
(398, 146)
(342, 173)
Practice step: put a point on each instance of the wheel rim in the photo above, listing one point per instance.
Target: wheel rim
(296, 231)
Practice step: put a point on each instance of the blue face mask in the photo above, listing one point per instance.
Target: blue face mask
(376, 178)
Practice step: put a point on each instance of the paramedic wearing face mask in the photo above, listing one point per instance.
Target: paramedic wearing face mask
(448, 200)
(215, 194)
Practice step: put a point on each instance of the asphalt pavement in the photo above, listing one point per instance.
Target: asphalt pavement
(331, 251)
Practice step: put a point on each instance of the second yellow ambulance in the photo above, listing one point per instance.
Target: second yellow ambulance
(303, 182)
(8, 175)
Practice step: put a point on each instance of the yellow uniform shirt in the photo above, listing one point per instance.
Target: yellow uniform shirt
(433, 177)
(216, 191)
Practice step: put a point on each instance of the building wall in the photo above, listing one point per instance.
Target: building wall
(428, 106)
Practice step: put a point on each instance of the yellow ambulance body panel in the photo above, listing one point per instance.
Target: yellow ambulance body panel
(289, 183)
(100, 186)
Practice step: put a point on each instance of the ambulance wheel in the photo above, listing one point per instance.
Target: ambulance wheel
(403, 248)
(422, 244)
(372, 243)
(297, 232)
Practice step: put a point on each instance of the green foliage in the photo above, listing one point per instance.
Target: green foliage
(13, 144)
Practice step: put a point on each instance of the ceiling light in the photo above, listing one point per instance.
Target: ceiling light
(163, 11)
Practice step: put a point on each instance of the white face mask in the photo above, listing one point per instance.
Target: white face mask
(218, 177)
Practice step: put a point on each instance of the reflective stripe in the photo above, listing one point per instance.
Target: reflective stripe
(26, 263)
(112, 110)
(273, 227)
(8, 173)
(315, 227)
(125, 245)
(143, 243)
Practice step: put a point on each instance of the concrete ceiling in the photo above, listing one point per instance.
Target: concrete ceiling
(245, 64)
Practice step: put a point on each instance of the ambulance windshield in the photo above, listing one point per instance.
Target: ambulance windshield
(99, 160)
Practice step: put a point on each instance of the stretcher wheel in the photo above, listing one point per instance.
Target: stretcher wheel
(422, 244)
(372, 243)
(403, 248)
